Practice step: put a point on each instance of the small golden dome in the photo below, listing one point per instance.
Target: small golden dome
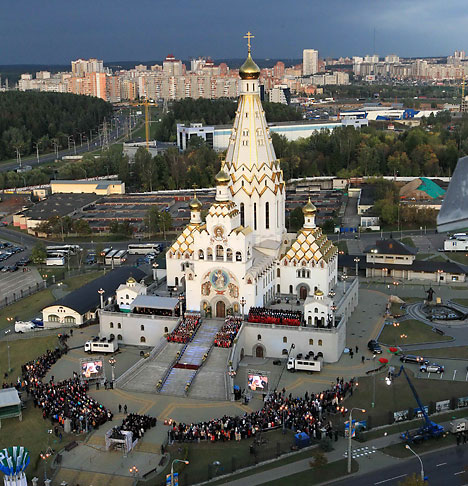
(309, 209)
(222, 178)
(249, 70)
(195, 204)
(131, 280)
(318, 293)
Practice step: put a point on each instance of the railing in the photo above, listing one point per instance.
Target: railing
(293, 328)
(162, 381)
(205, 358)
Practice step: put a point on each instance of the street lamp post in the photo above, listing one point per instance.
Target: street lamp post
(420, 461)
(242, 303)
(133, 471)
(356, 261)
(439, 274)
(373, 374)
(350, 430)
(344, 277)
(112, 362)
(384, 273)
(172, 468)
(181, 301)
(155, 266)
(8, 347)
(101, 292)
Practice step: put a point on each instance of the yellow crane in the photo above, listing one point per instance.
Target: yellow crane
(146, 104)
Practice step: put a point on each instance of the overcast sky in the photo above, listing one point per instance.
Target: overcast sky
(56, 31)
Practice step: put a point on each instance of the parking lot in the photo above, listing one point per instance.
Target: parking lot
(12, 257)
(15, 285)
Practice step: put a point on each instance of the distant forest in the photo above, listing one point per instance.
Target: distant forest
(215, 112)
(27, 118)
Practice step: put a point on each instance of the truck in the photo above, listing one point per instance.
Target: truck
(295, 364)
(58, 261)
(22, 326)
(101, 346)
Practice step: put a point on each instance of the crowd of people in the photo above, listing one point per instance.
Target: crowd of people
(226, 335)
(137, 424)
(186, 329)
(275, 316)
(310, 414)
(67, 399)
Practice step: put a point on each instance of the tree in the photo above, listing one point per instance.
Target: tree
(81, 226)
(152, 220)
(165, 222)
(296, 219)
(413, 480)
(320, 460)
(39, 253)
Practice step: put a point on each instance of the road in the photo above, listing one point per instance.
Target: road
(440, 467)
(94, 144)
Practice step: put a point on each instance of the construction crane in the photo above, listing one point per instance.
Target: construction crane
(427, 431)
(146, 104)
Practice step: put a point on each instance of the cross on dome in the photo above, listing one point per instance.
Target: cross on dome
(249, 36)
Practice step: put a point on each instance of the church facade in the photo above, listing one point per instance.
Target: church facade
(241, 256)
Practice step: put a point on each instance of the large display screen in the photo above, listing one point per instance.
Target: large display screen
(257, 382)
(92, 369)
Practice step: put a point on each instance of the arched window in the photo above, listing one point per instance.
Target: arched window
(142, 327)
(111, 325)
(285, 339)
(219, 252)
(238, 256)
(166, 329)
(54, 318)
(259, 337)
(119, 337)
(255, 216)
(242, 214)
(267, 215)
(127, 297)
(320, 342)
(119, 326)
(69, 320)
(290, 289)
(176, 281)
(201, 255)
(111, 337)
(278, 288)
(285, 351)
(229, 255)
(209, 254)
(278, 272)
(142, 339)
(316, 310)
(309, 320)
(311, 342)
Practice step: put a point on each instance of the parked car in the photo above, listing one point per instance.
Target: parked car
(374, 346)
(411, 358)
(431, 368)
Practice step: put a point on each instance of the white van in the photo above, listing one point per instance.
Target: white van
(21, 326)
(295, 364)
(101, 346)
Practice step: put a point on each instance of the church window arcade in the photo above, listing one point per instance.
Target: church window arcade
(201, 255)
(238, 256)
(267, 214)
(229, 255)
(209, 254)
(219, 253)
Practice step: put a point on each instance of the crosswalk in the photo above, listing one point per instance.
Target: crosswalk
(361, 452)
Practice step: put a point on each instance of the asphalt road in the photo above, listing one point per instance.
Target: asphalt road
(440, 467)
(94, 144)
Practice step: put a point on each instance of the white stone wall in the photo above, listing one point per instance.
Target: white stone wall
(58, 316)
(129, 327)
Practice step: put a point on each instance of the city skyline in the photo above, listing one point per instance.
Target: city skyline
(56, 33)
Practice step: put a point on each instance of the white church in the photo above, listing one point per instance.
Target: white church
(242, 256)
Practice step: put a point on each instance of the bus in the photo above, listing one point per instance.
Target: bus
(106, 251)
(120, 257)
(144, 248)
(64, 248)
(109, 259)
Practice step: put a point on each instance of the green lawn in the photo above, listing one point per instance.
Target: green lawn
(416, 332)
(455, 352)
(413, 300)
(23, 350)
(438, 258)
(408, 241)
(26, 308)
(331, 471)
(461, 301)
(396, 309)
(342, 246)
(423, 256)
(400, 451)
(459, 257)
(398, 395)
(74, 283)
(232, 455)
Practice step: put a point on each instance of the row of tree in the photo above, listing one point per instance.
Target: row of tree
(30, 119)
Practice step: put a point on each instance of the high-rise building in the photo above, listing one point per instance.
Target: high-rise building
(80, 67)
(309, 62)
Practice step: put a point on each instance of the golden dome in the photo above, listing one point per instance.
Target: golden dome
(195, 204)
(249, 70)
(222, 178)
(309, 209)
(318, 293)
(131, 280)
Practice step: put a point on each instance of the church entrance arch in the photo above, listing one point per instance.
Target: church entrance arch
(259, 351)
(303, 292)
(220, 309)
